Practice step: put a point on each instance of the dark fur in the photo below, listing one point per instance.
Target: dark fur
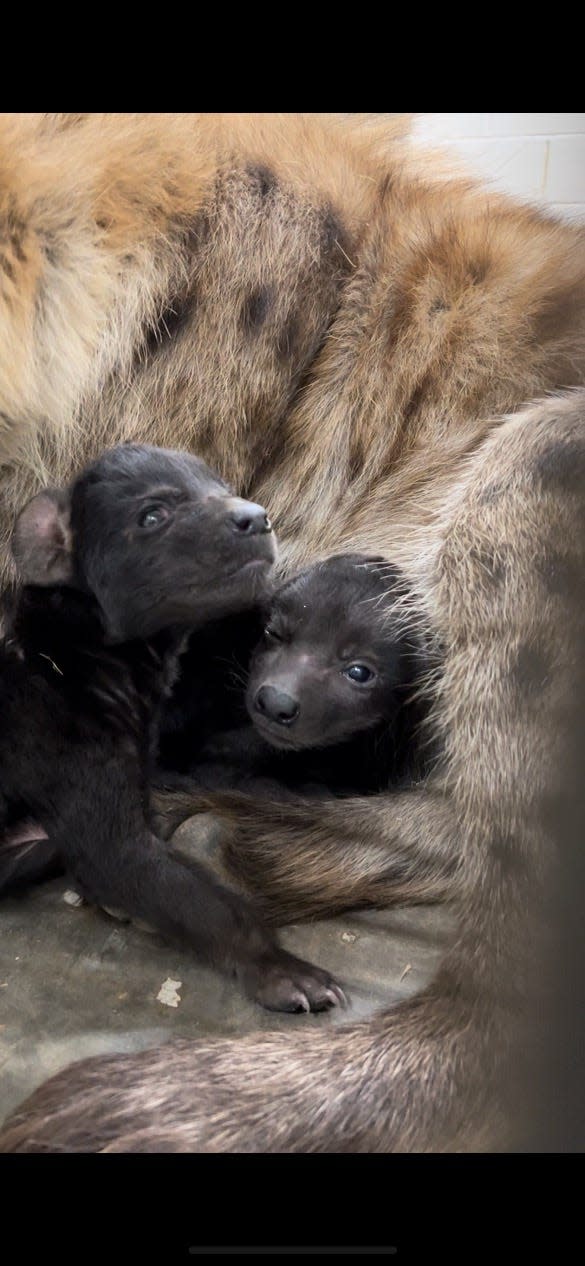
(347, 737)
(81, 696)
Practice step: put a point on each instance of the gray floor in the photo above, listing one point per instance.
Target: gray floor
(74, 982)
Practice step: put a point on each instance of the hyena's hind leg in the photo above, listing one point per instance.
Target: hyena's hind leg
(319, 857)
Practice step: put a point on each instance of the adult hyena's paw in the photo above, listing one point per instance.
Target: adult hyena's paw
(287, 983)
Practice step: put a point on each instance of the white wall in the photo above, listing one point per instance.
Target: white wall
(540, 157)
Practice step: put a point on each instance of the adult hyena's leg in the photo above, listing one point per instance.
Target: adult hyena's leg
(313, 858)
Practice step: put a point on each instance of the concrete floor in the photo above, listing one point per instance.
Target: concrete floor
(75, 982)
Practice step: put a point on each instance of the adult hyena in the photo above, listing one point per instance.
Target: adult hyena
(351, 335)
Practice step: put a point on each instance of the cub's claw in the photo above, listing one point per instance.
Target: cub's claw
(287, 983)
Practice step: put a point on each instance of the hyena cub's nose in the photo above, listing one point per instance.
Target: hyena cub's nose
(248, 518)
(276, 705)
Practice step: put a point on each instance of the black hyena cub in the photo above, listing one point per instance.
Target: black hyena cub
(314, 691)
(145, 544)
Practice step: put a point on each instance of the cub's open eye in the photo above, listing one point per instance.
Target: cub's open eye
(358, 672)
(152, 516)
(272, 635)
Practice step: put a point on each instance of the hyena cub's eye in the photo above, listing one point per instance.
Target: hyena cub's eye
(152, 516)
(359, 673)
(272, 634)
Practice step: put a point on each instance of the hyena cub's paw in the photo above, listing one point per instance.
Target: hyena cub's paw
(287, 983)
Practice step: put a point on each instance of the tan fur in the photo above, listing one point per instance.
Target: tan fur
(342, 326)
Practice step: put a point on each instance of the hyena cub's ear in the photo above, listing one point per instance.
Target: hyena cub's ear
(41, 540)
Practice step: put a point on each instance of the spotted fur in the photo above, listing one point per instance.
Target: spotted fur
(351, 333)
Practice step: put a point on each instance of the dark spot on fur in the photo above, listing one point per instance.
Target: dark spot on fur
(491, 563)
(171, 322)
(505, 849)
(356, 459)
(490, 494)
(562, 466)
(532, 668)
(103, 224)
(13, 230)
(334, 236)
(561, 313)
(478, 270)
(289, 337)
(263, 178)
(195, 230)
(6, 266)
(51, 249)
(385, 186)
(412, 405)
(206, 433)
(52, 243)
(16, 238)
(438, 305)
(562, 575)
(255, 309)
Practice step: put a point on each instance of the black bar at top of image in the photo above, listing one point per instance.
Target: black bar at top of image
(197, 1250)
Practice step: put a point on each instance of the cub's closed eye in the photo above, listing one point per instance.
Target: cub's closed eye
(272, 635)
(359, 673)
(153, 516)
